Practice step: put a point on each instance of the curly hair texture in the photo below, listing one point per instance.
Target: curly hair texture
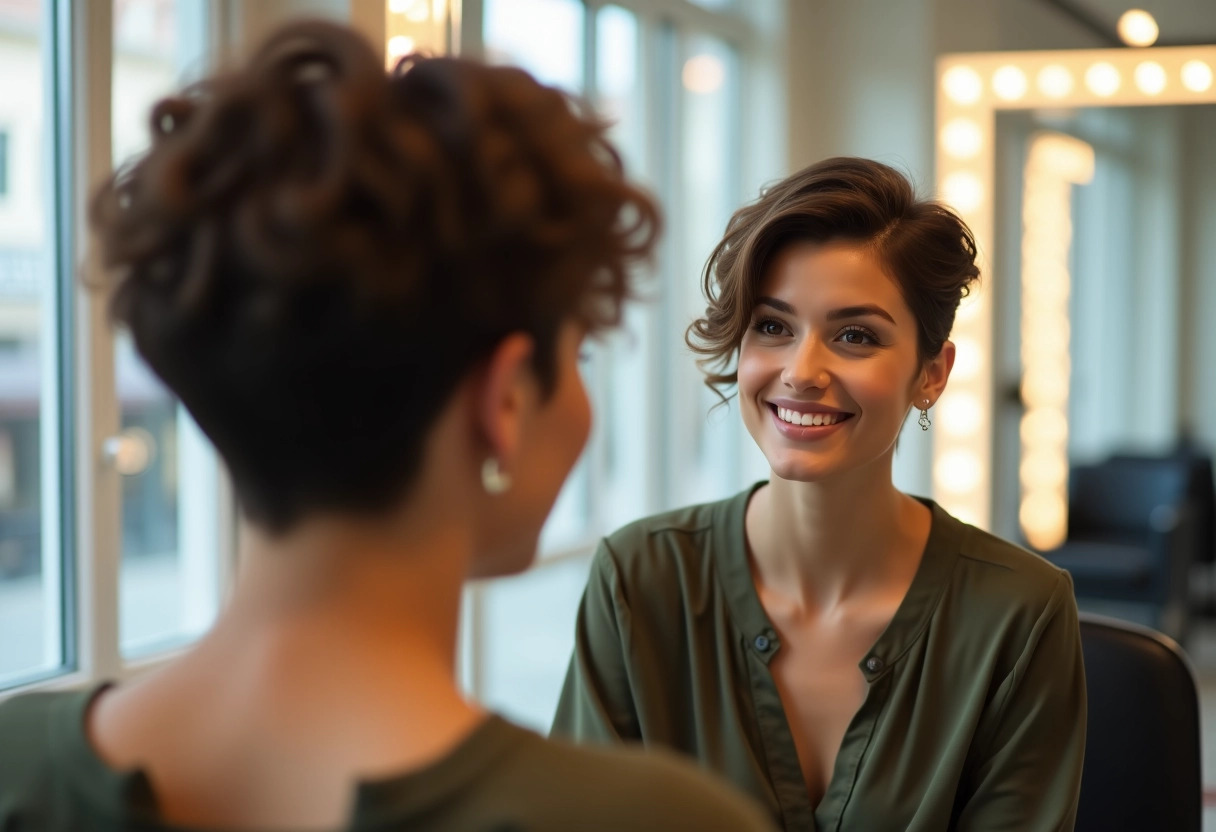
(315, 252)
(923, 245)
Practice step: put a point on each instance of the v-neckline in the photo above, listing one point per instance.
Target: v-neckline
(761, 641)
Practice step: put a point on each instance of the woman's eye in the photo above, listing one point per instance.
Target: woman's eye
(858, 337)
(769, 327)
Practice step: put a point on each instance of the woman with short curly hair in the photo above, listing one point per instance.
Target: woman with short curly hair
(369, 290)
(852, 656)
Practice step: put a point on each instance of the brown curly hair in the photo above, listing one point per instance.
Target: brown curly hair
(315, 252)
(924, 246)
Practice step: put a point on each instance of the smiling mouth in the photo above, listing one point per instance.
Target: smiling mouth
(800, 419)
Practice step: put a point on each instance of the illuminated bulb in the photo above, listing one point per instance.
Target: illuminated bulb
(1196, 76)
(957, 472)
(1009, 83)
(1044, 471)
(959, 414)
(1103, 79)
(1044, 519)
(1055, 81)
(400, 45)
(418, 12)
(968, 310)
(703, 74)
(963, 85)
(1042, 427)
(1150, 78)
(962, 138)
(964, 191)
(1138, 28)
(1046, 386)
(966, 358)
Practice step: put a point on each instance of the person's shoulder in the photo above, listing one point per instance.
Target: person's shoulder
(670, 555)
(1003, 577)
(675, 529)
(28, 726)
(627, 787)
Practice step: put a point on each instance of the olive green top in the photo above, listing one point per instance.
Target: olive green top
(974, 713)
(501, 778)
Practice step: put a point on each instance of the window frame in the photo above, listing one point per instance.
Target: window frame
(79, 410)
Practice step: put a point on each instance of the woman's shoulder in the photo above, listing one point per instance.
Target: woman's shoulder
(583, 786)
(672, 541)
(1000, 577)
(680, 526)
(30, 724)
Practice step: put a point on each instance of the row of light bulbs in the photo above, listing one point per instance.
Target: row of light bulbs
(964, 85)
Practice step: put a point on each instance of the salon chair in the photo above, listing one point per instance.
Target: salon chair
(1132, 539)
(1143, 769)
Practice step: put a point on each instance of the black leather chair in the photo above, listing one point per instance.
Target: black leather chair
(1132, 537)
(1143, 770)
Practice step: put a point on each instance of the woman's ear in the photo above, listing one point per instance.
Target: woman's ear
(506, 394)
(934, 376)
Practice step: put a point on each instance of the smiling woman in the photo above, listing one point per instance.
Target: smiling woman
(854, 657)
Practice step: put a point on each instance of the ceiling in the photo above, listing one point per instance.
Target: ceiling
(1182, 22)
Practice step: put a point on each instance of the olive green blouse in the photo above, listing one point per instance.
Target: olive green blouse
(499, 778)
(974, 714)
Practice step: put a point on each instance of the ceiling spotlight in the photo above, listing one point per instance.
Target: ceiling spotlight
(1138, 28)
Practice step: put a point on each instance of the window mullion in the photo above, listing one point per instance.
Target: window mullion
(98, 489)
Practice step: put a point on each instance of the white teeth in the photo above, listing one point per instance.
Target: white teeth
(795, 417)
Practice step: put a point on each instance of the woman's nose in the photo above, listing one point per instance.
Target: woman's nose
(808, 367)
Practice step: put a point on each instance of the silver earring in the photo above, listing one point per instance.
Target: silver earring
(924, 421)
(493, 479)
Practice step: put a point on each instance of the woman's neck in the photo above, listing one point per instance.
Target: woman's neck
(337, 647)
(822, 544)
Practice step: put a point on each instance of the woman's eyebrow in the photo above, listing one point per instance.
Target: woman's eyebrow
(779, 305)
(862, 311)
(859, 312)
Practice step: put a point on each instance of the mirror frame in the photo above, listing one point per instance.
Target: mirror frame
(970, 89)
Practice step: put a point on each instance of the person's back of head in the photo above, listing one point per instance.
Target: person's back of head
(314, 253)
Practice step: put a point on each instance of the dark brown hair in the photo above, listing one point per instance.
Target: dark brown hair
(315, 252)
(924, 246)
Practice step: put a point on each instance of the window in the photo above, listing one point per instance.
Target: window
(670, 78)
(113, 520)
(168, 583)
(31, 429)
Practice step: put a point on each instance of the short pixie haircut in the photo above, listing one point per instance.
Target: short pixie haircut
(921, 243)
(315, 252)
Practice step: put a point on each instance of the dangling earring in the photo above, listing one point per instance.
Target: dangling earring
(924, 421)
(493, 479)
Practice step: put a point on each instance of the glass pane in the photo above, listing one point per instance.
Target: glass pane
(169, 476)
(526, 634)
(709, 176)
(544, 37)
(30, 584)
(625, 407)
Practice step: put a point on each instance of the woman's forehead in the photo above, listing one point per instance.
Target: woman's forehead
(829, 274)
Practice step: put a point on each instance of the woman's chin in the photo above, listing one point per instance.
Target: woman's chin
(802, 470)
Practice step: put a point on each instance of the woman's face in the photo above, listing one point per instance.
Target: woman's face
(552, 438)
(828, 367)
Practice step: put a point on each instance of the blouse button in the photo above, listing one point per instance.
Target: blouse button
(874, 664)
(761, 643)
